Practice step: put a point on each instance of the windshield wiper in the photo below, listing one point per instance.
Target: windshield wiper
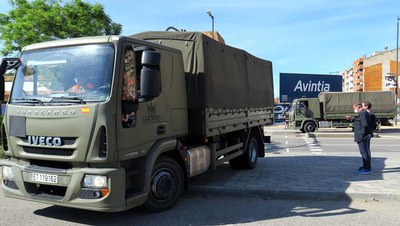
(68, 99)
(29, 100)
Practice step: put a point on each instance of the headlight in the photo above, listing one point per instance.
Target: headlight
(95, 181)
(7, 172)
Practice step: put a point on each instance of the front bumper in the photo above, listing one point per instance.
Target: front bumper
(68, 190)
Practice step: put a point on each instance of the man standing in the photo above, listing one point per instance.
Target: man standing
(367, 107)
(372, 125)
(362, 135)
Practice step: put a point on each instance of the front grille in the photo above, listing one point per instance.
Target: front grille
(49, 151)
(11, 184)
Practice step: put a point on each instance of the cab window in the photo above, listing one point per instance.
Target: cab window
(129, 90)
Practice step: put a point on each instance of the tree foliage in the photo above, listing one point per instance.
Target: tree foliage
(43, 20)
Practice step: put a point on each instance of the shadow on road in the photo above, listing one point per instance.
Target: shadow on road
(207, 210)
(307, 183)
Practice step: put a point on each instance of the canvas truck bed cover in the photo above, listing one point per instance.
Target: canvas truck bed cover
(218, 75)
(337, 104)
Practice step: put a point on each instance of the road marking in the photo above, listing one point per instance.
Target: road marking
(316, 149)
(286, 141)
(312, 144)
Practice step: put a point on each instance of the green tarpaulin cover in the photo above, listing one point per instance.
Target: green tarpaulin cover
(335, 103)
(218, 75)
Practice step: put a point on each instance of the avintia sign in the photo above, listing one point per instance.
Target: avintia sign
(293, 86)
(312, 86)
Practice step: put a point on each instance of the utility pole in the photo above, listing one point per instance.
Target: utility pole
(397, 71)
(212, 18)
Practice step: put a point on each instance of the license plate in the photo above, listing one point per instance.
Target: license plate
(41, 177)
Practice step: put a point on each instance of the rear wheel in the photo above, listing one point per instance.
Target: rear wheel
(249, 158)
(166, 185)
(251, 154)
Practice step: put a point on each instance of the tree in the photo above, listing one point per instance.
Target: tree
(43, 20)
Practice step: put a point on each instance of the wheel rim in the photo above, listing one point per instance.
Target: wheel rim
(163, 184)
(253, 152)
(310, 128)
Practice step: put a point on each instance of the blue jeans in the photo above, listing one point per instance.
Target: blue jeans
(364, 147)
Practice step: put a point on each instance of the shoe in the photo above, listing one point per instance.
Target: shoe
(359, 169)
(365, 171)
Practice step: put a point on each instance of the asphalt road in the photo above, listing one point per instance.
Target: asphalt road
(202, 208)
(196, 209)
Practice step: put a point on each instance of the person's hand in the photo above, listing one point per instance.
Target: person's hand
(349, 118)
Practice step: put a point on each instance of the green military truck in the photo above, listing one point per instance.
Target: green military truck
(111, 123)
(330, 109)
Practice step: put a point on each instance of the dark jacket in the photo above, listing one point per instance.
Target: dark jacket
(362, 126)
(372, 122)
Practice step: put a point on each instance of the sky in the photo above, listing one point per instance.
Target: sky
(298, 36)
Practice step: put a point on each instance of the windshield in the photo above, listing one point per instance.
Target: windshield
(76, 74)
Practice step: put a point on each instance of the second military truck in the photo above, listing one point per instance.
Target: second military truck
(110, 123)
(330, 109)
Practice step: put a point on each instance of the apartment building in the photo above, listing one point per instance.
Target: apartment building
(374, 73)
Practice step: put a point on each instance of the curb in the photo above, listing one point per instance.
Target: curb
(346, 135)
(296, 194)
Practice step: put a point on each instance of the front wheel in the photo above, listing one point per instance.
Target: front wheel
(309, 127)
(166, 185)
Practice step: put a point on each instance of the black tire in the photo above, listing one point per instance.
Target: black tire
(249, 158)
(309, 127)
(166, 185)
(251, 154)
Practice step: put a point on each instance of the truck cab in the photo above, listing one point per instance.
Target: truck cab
(305, 114)
(83, 114)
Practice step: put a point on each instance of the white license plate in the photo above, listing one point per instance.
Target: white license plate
(41, 177)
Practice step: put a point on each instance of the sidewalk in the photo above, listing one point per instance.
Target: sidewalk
(306, 177)
(386, 132)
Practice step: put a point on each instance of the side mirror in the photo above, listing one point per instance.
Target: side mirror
(4, 66)
(296, 108)
(150, 77)
(2, 89)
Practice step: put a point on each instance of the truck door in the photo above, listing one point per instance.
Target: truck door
(304, 108)
(141, 122)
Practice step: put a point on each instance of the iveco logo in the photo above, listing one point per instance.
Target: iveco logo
(44, 141)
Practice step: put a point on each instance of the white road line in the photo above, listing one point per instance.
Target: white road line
(312, 145)
(316, 149)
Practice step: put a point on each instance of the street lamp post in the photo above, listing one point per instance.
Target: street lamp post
(397, 70)
(212, 18)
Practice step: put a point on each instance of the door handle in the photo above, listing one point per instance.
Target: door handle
(160, 129)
